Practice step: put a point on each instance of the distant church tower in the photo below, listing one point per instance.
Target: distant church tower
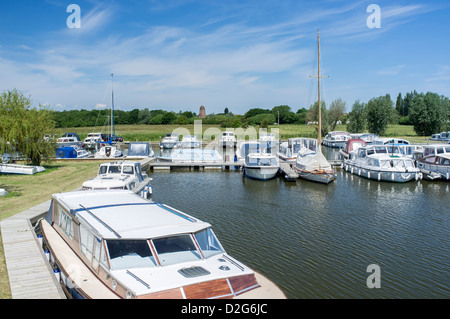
(202, 113)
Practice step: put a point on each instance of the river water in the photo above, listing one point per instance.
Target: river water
(317, 241)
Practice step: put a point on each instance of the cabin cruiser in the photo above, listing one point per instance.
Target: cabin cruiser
(139, 150)
(115, 244)
(388, 140)
(192, 156)
(92, 139)
(366, 137)
(336, 139)
(435, 167)
(171, 140)
(289, 149)
(440, 137)
(190, 141)
(261, 166)
(313, 166)
(243, 148)
(268, 138)
(121, 175)
(228, 139)
(69, 141)
(108, 151)
(351, 147)
(377, 163)
(435, 149)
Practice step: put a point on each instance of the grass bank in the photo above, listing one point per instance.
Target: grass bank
(154, 132)
(26, 191)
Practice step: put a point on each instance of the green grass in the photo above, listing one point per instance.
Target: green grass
(26, 191)
(135, 133)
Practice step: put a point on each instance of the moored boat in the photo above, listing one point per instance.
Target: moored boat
(139, 150)
(114, 244)
(170, 141)
(336, 139)
(313, 166)
(261, 166)
(376, 163)
(228, 139)
(289, 149)
(350, 148)
(435, 167)
(108, 151)
(121, 175)
(190, 141)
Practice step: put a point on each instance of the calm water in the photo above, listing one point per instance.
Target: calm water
(316, 241)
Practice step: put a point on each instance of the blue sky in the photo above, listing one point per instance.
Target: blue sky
(181, 54)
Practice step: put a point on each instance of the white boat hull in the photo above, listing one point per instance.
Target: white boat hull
(20, 169)
(260, 173)
(383, 176)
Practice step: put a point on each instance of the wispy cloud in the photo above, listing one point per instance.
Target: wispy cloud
(394, 70)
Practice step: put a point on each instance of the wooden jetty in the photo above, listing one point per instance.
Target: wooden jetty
(288, 172)
(30, 275)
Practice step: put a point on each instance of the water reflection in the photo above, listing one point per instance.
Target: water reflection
(315, 240)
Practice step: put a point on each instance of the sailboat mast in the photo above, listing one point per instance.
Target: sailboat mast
(113, 129)
(318, 81)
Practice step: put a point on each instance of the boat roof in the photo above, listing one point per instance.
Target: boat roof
(122, 214)
(388, 156)
(261, 155)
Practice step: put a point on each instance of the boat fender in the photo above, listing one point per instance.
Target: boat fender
(392, 176)
(57, 273)
(368, 175)
(379, 176)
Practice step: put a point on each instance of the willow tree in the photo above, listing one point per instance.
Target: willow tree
(22, 128)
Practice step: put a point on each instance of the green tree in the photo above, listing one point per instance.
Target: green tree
(429, 113)
(337, 110)
(22, 128)
(380, 112)
(284, 113)
(313, 116)
(357, 118)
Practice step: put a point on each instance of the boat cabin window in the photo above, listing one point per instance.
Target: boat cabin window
(398, 163)
(208, 243)
(362, 153)
(130, 253)
(128, 169)
(385, 164)
(114, 169)
(409, 163)
(429, 151)
(261, 161)
(64, 221)
(103, 169)
(176, 249)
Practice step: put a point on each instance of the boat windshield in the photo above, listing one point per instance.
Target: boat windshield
(208, 243)
(176, 249)
(385, 164)
(262, 161)
(395, 150)
(127, 254)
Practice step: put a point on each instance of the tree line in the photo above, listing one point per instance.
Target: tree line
(22, 127)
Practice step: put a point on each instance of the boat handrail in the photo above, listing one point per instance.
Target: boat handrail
(178, 213)
(100, 221)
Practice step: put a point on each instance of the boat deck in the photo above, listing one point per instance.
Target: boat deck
(30, 276)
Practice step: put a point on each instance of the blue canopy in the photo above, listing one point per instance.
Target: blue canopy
(66, 152)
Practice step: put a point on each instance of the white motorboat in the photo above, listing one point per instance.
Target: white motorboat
(313, 166)
(121, 175)
(435, 149)
(435, 167)
(350, 148)
(228, 139)
(261, 166)
(190, 141)
(288, 150)
(376, 163)
(68, 141)
(170, 141)
(108, 151)
(114, 244)
(336, 139)
(92, 139)
(139, 150)
(192, 156)
(389, 141)
(243, 148)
